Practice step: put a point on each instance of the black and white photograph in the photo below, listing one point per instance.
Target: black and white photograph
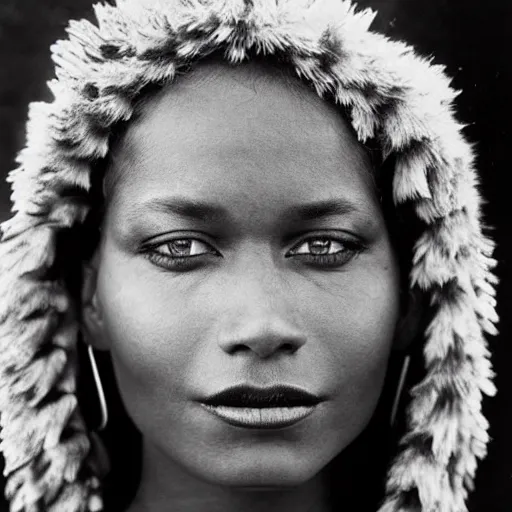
(255, 256)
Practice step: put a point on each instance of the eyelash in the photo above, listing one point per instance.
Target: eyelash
(351, 249)
(176, 262)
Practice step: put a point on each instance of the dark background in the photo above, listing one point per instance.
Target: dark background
(472, 37)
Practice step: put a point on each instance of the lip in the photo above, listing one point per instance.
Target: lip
(272, 407)
(278, 395)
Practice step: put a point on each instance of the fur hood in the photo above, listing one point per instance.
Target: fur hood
(400, 101)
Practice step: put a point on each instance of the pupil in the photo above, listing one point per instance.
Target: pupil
(320, 246)
(180, 247)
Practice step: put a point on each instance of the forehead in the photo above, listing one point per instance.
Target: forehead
(248, 129)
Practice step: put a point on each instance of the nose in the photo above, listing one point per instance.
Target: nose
(264, 338)
(260, 318)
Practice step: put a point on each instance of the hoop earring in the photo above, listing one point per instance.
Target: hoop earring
(99, 389)
(399, 389)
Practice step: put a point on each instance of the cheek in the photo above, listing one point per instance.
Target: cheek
(151, 334)
(354, 325)
(359, 327)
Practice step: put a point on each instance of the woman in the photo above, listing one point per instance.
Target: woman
(248, 205)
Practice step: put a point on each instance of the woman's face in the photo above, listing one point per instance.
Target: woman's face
(243, 244)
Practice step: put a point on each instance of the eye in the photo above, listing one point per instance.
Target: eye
(184, 247)
(180, 253)
(320, 246)
(326, 251)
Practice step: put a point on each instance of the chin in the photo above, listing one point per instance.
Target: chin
(261, 473)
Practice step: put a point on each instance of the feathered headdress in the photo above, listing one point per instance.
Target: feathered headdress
(401, 101)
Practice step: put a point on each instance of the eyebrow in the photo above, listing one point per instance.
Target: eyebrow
(210, 212)
(184, 207)
(325, 208)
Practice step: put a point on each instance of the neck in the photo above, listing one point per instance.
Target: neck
(166, 487)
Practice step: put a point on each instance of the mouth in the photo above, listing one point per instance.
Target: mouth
(262, 408)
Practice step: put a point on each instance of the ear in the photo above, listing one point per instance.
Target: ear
(92, 321)
(412, 318)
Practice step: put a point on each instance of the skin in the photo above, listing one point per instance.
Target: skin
(252, 308)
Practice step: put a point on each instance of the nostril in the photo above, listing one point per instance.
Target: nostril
(239, 347)
(289, 347)
(263, 346)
